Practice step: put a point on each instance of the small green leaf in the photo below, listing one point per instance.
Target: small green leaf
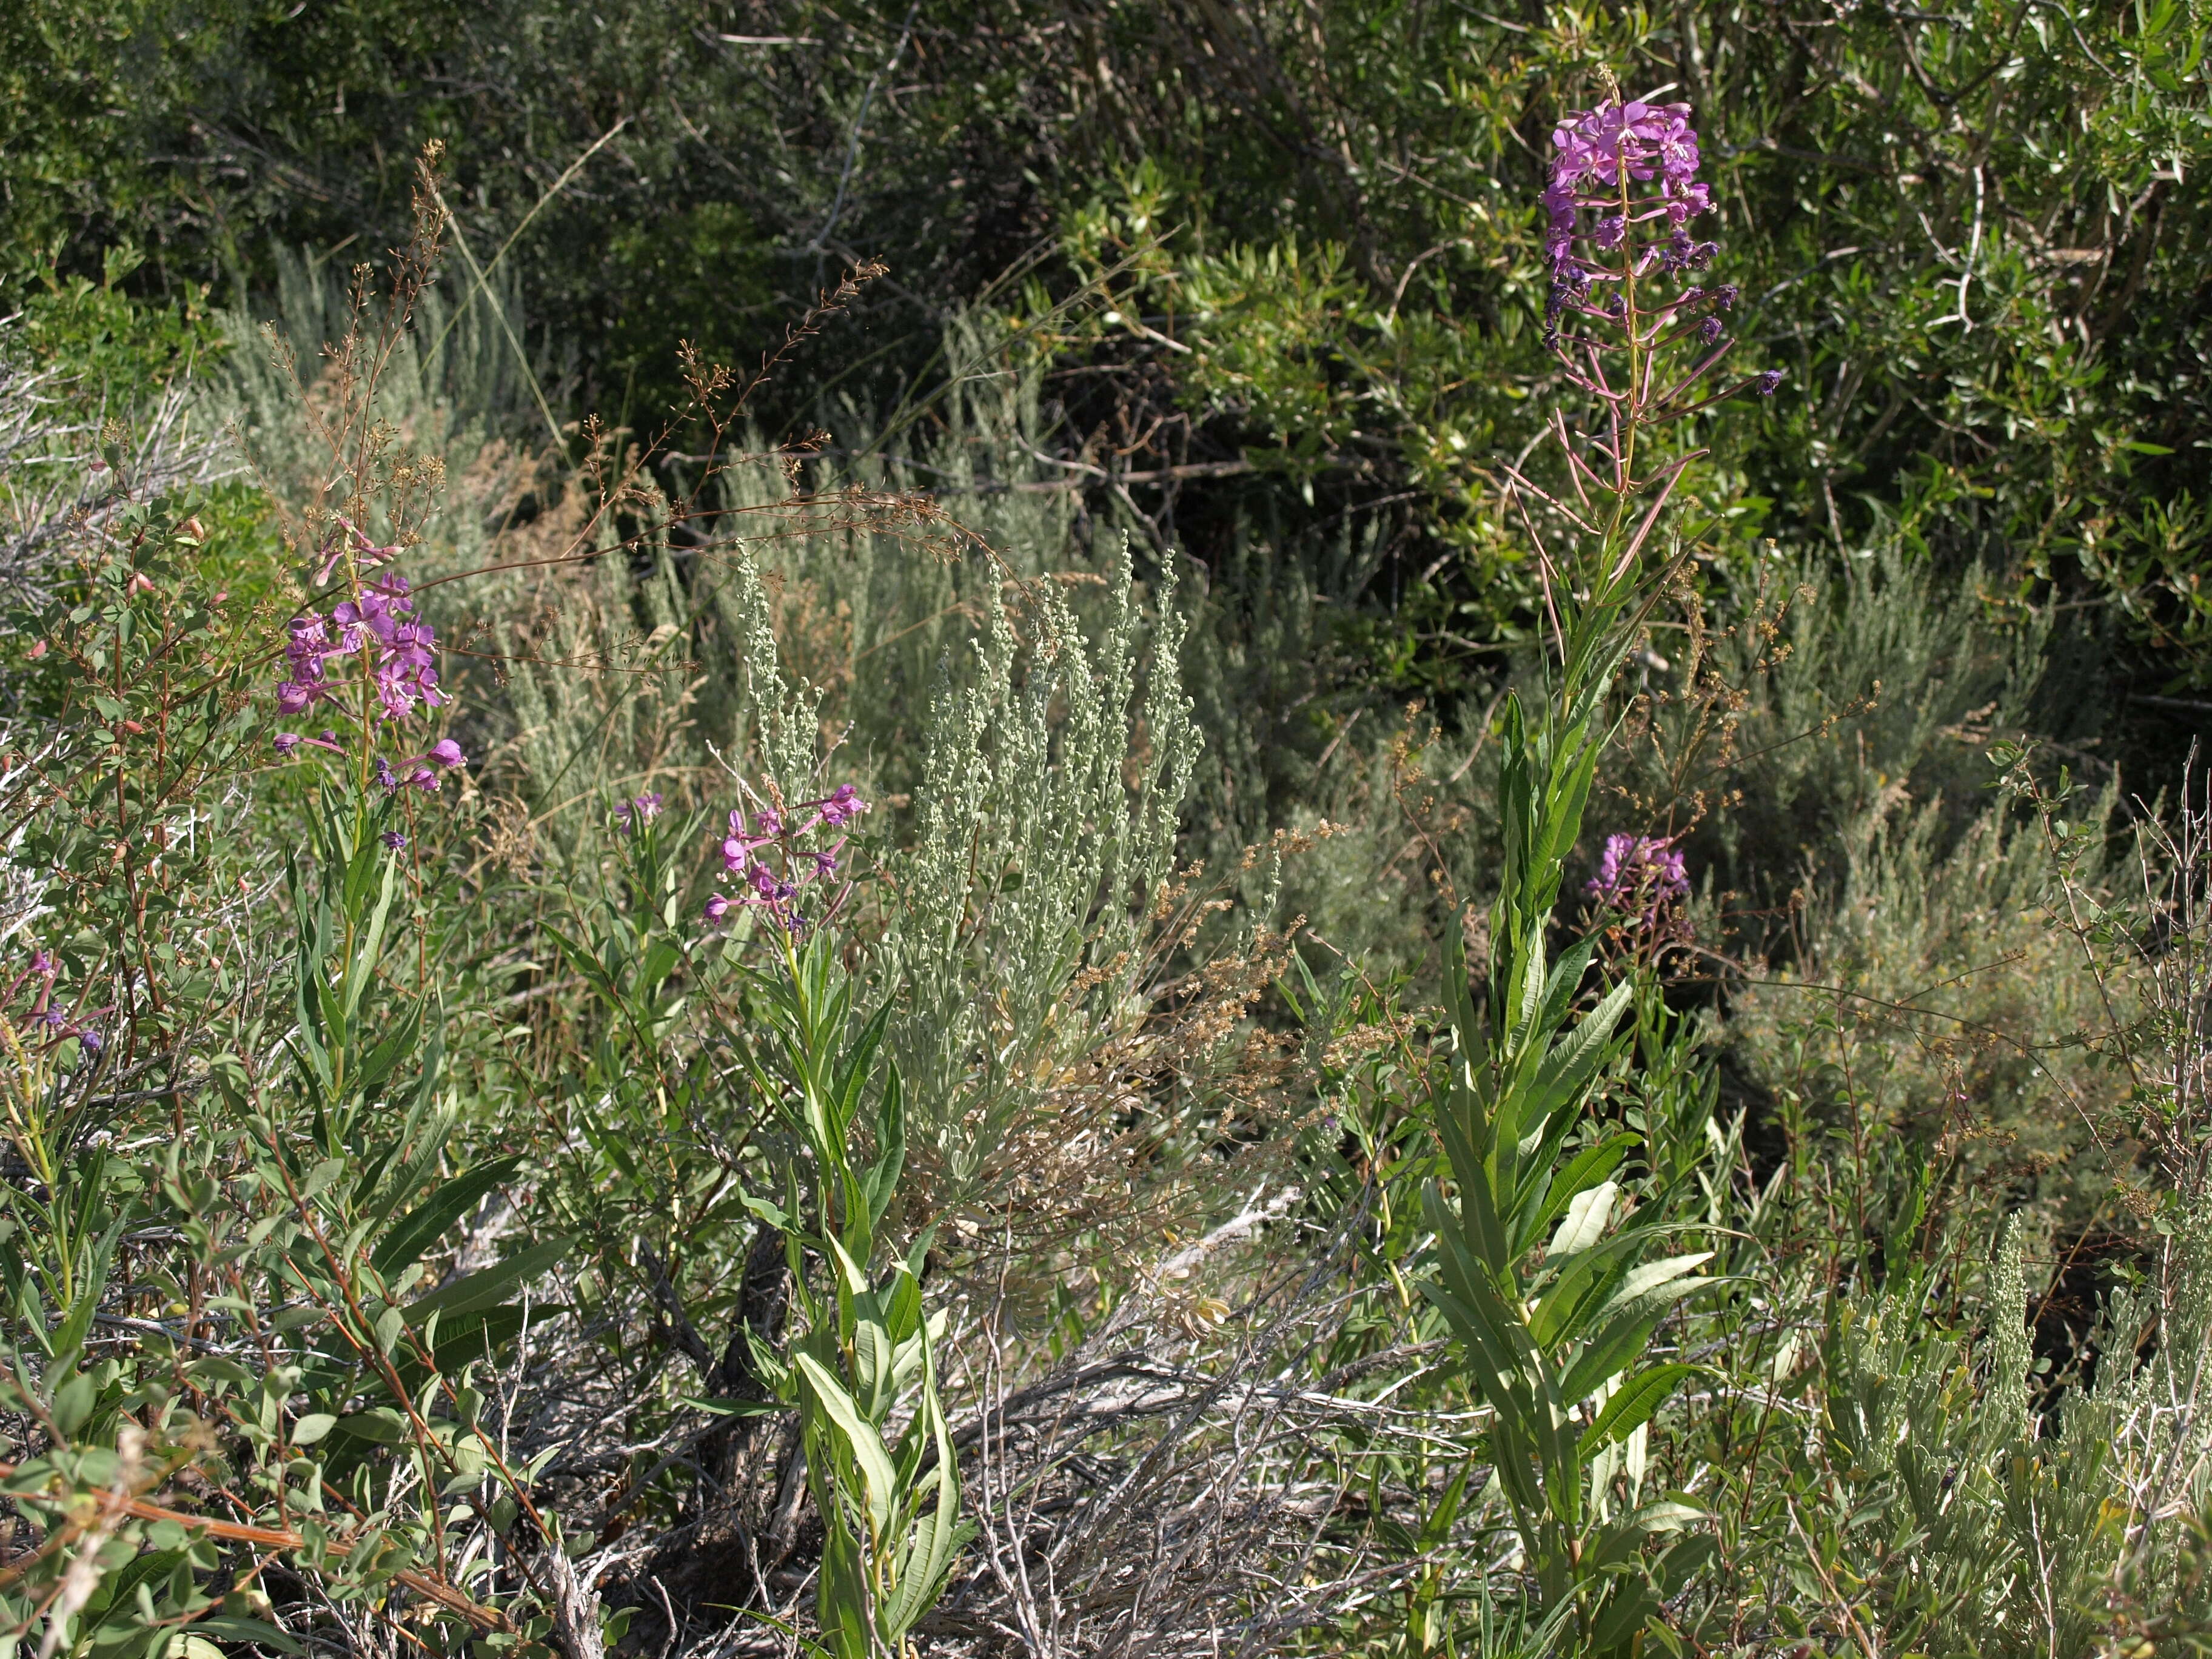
(73, 1403)
(321, 1175)
(313, 1427)
(380, 1423)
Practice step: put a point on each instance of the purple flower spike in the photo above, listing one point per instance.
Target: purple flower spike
(1623, 191)
(375, 624)
(1640, 875)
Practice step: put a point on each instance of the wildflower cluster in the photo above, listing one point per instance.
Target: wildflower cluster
(1639, 876)
(637, 811)
(375, 625)
(771, 853)
(1597, 147)
(396, 654)
(1623, 191)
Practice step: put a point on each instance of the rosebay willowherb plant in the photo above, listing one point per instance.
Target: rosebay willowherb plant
(230, 1360)
(889, 1506)
(1550, 1278)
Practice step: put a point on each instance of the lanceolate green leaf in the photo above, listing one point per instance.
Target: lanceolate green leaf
(1587, 1212)
(1626, 1327)
(488, 1288)
(859, 1437)
(1631, 1406)
(428, 1223)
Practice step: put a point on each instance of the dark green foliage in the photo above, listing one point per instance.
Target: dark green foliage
(1969, 235)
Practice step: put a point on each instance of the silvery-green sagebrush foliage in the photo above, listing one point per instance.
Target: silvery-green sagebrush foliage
(1047, 818)
(2006, 1530)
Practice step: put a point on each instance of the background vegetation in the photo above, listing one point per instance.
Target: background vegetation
(1112, 478)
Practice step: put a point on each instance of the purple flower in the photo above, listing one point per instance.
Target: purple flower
(306, 642)
(1683, 252)
(286, 742)
(1604, 161)
(1640, 873)
(1709, 331)
(772, 855)
(1767, 383)
(1647, 139)
(42, 963)
(842, 806)
(385, 774)
(640, 810)
(447, 753)
(1681, 210)
(737, 846)
(393, 839)
(400, 685)
(423, 779)
(375, 623)
(55, 1017)
(91, 1041)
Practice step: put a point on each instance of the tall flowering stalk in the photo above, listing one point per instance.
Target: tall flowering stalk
(1628, 318)
(1547, 1278)
(369, 665)
(862, 1373)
